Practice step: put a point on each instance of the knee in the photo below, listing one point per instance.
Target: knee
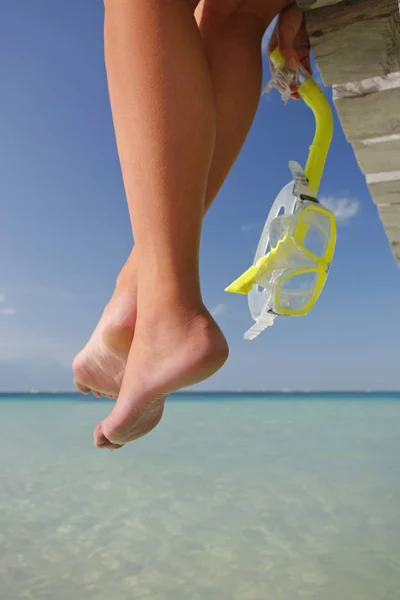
(257, 11)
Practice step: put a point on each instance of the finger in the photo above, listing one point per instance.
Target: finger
(288, 26)
(306, 62)
(272, 45)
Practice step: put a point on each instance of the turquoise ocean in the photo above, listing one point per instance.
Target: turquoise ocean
(232, 497)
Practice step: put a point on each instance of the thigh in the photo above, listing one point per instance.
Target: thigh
(193, 3)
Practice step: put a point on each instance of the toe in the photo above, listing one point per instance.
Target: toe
(83, 389)
(124, 425)
(100, 440)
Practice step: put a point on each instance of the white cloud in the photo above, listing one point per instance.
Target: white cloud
(26, 345)
(343, 207)
(19, 375)
(246, 227)
(5, 310)
(219, 310)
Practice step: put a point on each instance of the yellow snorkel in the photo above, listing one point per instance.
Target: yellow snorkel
(288, 279)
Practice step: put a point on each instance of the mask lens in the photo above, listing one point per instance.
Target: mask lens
(279, 228)
(296, 292)
(313, 231)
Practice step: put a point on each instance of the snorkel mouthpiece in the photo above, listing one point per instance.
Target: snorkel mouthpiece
(299, 233)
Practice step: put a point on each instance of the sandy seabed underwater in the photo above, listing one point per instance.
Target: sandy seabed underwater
(244, 498)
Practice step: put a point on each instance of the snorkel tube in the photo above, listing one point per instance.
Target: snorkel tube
(314, 98)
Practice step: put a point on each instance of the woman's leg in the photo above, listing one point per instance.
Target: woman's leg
(165, 122)
(232, 40)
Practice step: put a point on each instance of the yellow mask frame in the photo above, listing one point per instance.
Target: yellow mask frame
(322, 267)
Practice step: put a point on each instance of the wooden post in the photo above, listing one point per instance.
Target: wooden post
(357, 47)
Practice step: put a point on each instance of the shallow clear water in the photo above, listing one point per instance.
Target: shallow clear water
(252, 499)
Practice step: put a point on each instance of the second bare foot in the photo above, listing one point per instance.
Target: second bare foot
(167, 354)
(100, 366)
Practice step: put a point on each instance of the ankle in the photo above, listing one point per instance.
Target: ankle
(170, 295)
(190, 344)
(119, 321)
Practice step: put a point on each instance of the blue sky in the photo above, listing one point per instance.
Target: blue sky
(64, 228)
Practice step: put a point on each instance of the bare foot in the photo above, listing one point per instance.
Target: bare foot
(100, 366)
(167, 354)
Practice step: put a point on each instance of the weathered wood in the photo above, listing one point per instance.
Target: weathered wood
(393, 236)
(395, 247)
(386, 194)
(372, 115)
(353, 89)
(357, 45)
(309, 4)
(356, 39)
(390, 217)
(379, 154)
(394, 242)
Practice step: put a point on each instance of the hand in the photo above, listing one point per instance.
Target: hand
(291, 36)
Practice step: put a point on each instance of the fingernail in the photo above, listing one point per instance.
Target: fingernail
(293, 63)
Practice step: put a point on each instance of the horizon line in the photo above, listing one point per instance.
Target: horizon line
(35, 392)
